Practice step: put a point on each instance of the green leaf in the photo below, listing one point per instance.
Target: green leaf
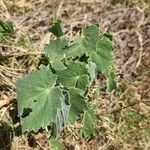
(91, 36)
(75, 75)
(56, 28)
(103, 55)
(89, 119)
(6, 30)
(93, 44)
(57, 99)
(62, 115)
(55, 144)
(38, 99)
(78, 103)
(111, 81)
(76, 48)
(91, 69)
(6, 26)
(85, 43)
(58, 66)
(55, 50)
(108, 35)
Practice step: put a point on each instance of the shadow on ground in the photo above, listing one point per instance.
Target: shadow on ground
(5, 137)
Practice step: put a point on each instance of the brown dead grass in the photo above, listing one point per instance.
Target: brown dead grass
(129, 24)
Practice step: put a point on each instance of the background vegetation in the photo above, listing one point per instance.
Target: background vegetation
(124, 121)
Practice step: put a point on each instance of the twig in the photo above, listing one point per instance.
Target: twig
(21, 54)
(130, 105)
(6, 79)
(58, 12)
(6, 101)
(11, 69)
(18, 48)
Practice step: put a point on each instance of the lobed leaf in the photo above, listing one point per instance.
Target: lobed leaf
(76, 65)
(78, 104)
(91, 36)
(55, 50)
(102, 56)
(38, 93)
(76, 48)
(75, 75)
(89, 119)
(85, 43)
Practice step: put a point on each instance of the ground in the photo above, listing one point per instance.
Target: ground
(124, 115)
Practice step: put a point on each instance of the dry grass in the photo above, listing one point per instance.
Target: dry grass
(124, 118)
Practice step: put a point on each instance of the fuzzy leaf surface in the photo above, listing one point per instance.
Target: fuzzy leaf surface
(58, 66)
(75, 75)
(91, 69)
(37, 92)
(76, 48)
(62, 116)
(93, 44)
(91, 36)
(78, 104)
(85, 43)
(55, 50)
(89, 119)
(102, 56)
